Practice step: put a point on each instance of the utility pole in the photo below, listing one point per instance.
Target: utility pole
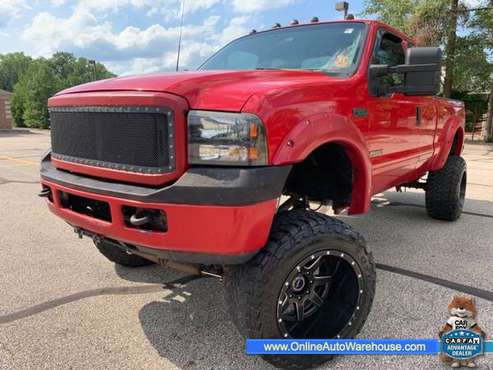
(489, 121)
(181, 34)
(451, 43)
(93, 64)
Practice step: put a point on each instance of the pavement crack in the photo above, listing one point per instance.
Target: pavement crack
(466, 289)
(125, 290)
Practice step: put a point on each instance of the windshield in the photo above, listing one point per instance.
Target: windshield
(333, 47)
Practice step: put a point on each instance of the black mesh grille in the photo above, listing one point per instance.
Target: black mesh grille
(130, 139)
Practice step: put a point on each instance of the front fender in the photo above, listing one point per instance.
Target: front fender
(313, 132)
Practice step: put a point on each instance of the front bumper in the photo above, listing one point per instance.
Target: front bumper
(214, 215)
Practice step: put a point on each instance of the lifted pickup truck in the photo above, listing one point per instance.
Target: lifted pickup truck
(188, 169)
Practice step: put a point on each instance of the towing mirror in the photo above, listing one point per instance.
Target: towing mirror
(420, 75)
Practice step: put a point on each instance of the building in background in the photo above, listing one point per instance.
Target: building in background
(5, 112)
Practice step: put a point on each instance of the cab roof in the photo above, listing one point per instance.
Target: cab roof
(370, 22)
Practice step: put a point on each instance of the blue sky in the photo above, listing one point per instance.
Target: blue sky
(140, 36)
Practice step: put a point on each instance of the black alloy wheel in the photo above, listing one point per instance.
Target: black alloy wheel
(325, 284)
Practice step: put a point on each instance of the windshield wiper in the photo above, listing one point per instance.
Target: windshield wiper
(289, 69)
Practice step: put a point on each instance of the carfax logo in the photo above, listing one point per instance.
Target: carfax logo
(462, 344)
(461, 339)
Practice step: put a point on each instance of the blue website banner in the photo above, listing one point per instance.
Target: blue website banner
(347, 346)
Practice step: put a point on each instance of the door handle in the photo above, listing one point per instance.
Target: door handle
(418, 116)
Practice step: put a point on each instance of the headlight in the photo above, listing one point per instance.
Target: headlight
(226, 139)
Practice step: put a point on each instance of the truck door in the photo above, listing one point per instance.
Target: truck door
(392, 138)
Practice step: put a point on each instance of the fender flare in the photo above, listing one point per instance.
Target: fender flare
(445, 142)
(310, 134)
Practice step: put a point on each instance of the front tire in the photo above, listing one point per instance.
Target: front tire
(446, 190)
(120, 256)
(315, 278)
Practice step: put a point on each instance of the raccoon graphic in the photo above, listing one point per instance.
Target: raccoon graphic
(463, 313)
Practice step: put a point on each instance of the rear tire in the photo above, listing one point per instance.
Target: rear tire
(446, 190)
(120, 256)
(315, 278)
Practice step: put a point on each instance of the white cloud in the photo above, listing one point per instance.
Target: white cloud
(82, 33)
(133, 49)
(169, 9)
(247, 6)
(57, 2)
(10, 9)
(89, 32)
(237, 27)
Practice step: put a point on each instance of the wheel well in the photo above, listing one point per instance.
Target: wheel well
(326, 175)
(456, 148)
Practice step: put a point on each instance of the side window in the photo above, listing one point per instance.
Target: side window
(390, 52)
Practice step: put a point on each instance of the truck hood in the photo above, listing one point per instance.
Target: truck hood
(208, 90)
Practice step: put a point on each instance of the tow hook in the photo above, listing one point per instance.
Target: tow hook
(45, 193)
(140, 221)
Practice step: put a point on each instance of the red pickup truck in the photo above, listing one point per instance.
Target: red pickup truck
(214, 171)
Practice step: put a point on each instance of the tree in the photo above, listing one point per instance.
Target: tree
(425, 20)
(70, 71)
(451, 43)
(32, 92)
(12, 67)
(42, 79)
(473, 77)
(482, 24)
(395, 13)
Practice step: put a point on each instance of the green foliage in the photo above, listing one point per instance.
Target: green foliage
(33, 90)
(33, 82)
(476, 105)
(17, 108)
(482, 26)
(12, 67)
(472, 69)
(395, 13)
(424, 20)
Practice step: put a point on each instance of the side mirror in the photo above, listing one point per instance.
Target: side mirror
(421, 74)
(427, 80)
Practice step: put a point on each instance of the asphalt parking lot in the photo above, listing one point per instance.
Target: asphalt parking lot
(63, 305)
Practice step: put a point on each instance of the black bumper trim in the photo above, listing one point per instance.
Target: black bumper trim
(183, 257)
(196, 258)
(222, 186)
